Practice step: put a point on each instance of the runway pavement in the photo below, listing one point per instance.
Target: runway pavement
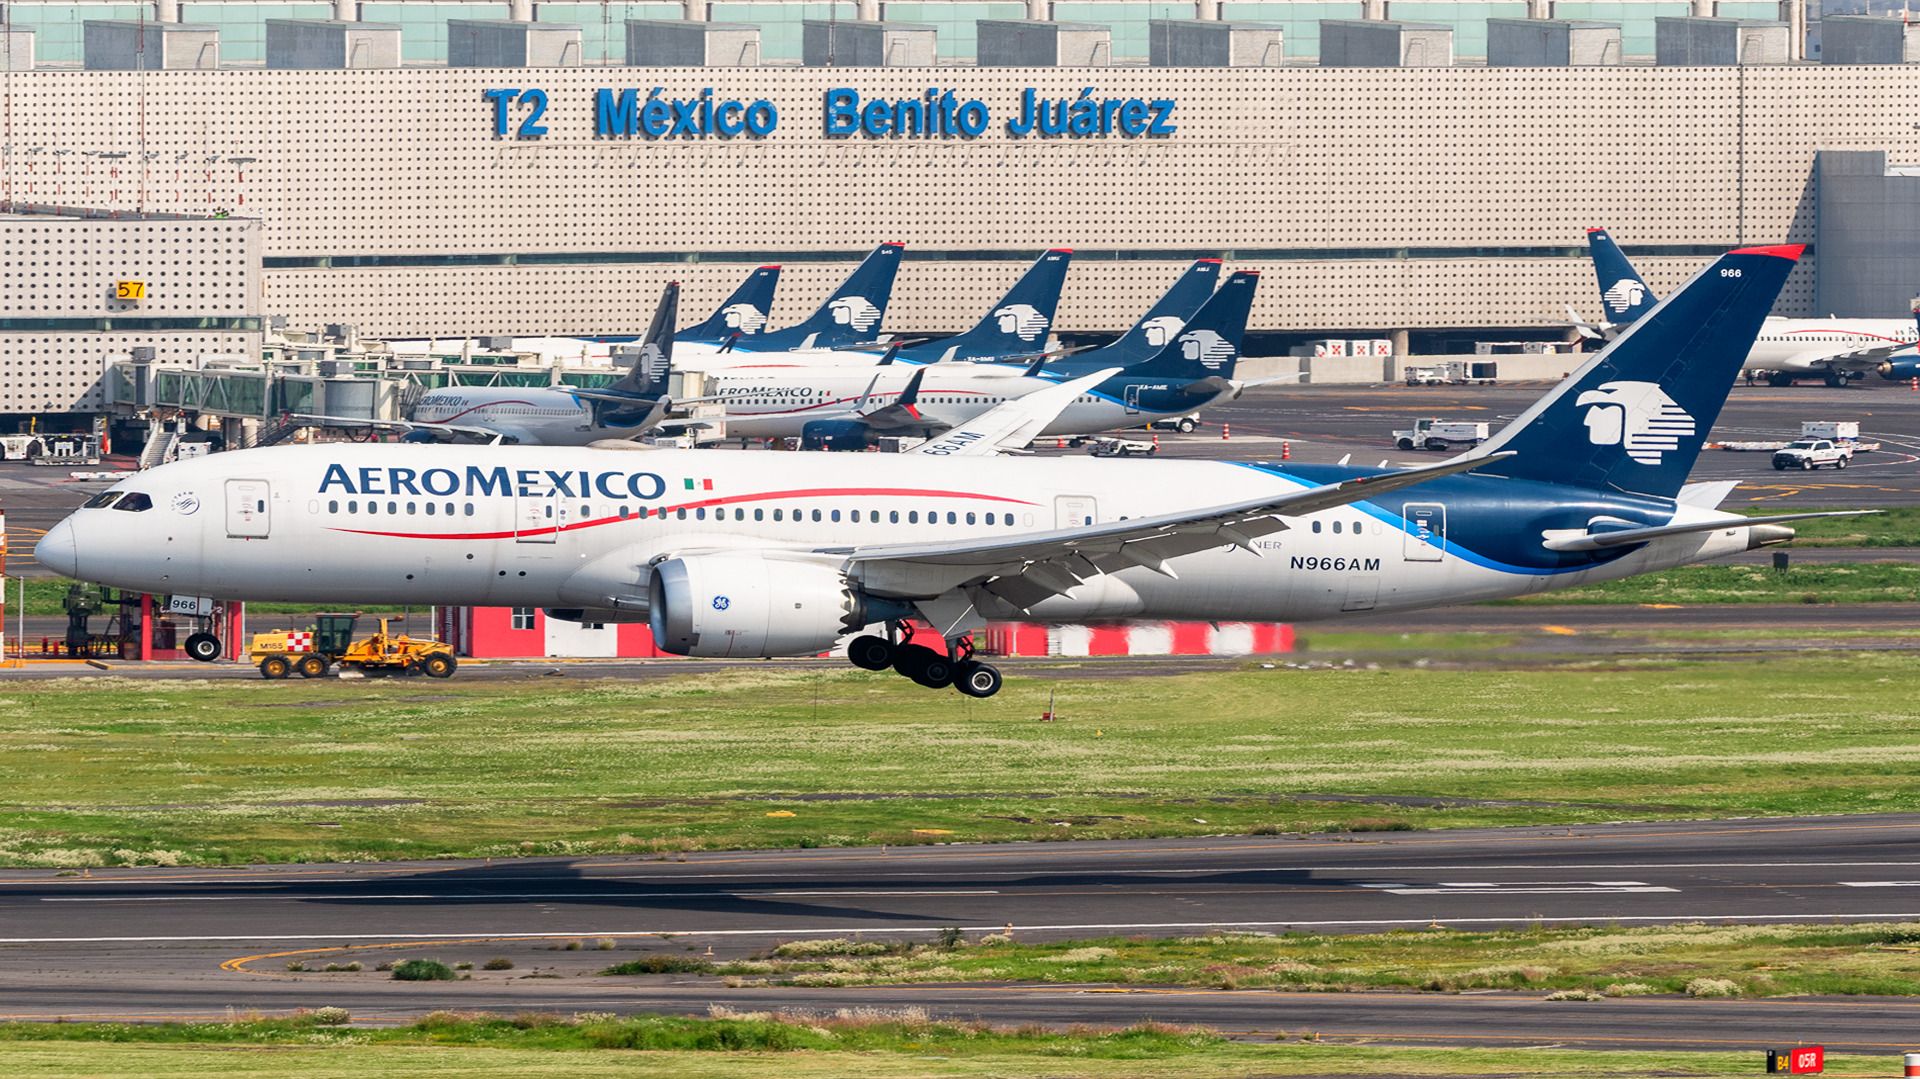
(182, 942)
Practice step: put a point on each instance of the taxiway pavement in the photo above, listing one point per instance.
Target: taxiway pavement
(160, 943)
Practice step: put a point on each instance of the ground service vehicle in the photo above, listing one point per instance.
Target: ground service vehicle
(1811, 453)
(1186, 424)
(1123, 447)
(1432, 434)
(310, 652)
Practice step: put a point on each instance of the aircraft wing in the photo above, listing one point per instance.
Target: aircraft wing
(1865, 359)
(485, 434)
(1010, 425)
(1024, 569)
(903, 414)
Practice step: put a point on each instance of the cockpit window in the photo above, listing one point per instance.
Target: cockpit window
(102, 500)
(134, 502)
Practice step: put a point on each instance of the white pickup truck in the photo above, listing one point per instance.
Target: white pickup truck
(1810, 453)
(1432, 434)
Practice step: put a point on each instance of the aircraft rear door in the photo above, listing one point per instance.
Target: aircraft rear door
(248, 513)
(1133, 399)
(1426, 533)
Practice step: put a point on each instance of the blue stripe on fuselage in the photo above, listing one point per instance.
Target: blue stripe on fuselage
(1494, 522)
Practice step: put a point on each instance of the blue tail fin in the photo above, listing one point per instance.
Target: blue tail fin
(1016, 325)
(653, 357)
(850, 316)
(1634, 417)
(1161, 324)
(1208, 346)
(1623, 295)
(744, 313)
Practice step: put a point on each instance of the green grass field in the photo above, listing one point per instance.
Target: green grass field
(796, 1047)
(104, 771)
(1832, 583)
(1751, 961)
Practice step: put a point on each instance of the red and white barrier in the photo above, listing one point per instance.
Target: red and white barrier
(1139, 639)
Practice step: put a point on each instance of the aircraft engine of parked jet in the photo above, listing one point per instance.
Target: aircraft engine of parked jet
(747, 605)
(835, 435)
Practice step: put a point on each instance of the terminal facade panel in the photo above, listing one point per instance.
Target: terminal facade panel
(1373, 198)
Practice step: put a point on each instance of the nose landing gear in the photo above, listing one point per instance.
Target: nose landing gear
(926, 666)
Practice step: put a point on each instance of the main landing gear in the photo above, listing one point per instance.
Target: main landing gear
(934, 670)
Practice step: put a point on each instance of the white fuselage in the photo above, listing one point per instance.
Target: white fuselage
(530, 417)
(572, 527)
(1809, 345)
(777, 404)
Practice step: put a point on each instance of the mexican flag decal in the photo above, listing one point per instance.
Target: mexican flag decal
(698, 485)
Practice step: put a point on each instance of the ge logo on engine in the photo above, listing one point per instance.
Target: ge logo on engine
(721, 603)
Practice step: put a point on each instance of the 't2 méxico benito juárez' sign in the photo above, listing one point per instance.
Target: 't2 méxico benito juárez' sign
(936, 114)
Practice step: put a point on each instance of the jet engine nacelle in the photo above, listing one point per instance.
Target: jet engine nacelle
(1899, 370)
(744, 605)
(835, 435)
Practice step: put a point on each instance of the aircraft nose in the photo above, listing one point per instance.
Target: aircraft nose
(57, 551)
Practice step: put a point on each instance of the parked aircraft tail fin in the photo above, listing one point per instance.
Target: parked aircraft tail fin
(1015, 326)
(744, 313)
(1623, 295)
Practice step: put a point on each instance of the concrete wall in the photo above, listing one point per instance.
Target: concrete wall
(1202, 43)
(1035, 43)
(1867, 248)
(1686, 42)
(867, 44)
(327, 45)
(1401, 178)
(63, 271)
(1551, 43)
(1373, 370)
(1868, 39)
(504, 43)
(668, 43)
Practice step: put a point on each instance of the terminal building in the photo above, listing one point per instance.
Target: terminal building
(1413, 171)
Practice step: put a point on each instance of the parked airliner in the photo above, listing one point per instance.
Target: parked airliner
(1834, 350)
(549, 415)
(848, 408)
(760, 554)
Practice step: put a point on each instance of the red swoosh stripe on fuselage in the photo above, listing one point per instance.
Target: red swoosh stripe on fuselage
(662, 511)
(1849, 333)
(476, 408)
(746, 415)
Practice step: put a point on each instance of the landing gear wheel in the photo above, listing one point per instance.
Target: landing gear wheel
(924, 665)
(274, 668)
(1836, 379)
(978, 679)
(871, 653)
(1779, 378)
(437, 665)
(311, 666)
(204, 647)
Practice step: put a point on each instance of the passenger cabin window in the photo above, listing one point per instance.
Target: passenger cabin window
(136, 502)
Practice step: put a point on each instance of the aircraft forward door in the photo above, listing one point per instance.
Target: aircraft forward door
(1426, 534)
(1074, 511)
(539, 515)
(248, 508)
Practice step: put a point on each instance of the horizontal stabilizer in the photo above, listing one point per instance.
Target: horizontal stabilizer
(1601, 541)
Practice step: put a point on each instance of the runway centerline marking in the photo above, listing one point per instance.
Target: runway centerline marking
(1531, 887)
(496, 896)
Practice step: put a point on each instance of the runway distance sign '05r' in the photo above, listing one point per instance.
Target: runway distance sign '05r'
(783, 554)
